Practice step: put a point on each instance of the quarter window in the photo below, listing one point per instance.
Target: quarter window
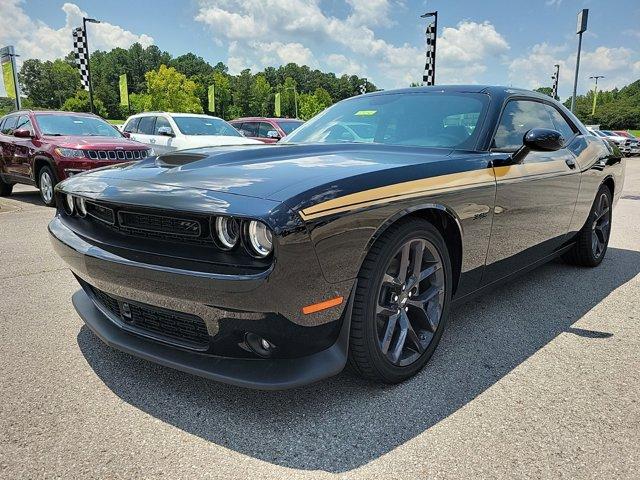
(518, 117)
(146, 125)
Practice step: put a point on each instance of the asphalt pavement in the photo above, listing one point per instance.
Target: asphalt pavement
(539, 379)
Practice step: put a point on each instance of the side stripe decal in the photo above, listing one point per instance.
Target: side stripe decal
(439, 184)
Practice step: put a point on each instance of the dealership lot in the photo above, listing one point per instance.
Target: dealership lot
(540, 379)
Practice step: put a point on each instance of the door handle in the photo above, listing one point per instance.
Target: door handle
(571, 163)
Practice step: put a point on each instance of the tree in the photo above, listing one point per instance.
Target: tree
(545, 91)
(80, 103)
(171, 91)
(311, 105)
(48, 84)
(260, 96)
(241, 91)
(190, 65)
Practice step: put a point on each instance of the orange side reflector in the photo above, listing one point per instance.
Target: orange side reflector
(317, 307)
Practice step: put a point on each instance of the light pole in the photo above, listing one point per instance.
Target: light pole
(595, 92)
(86, 20)
(555, 77)
(582, 27)
(429, 76)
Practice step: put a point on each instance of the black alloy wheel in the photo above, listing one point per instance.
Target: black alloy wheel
(601, 226)
(401, 302)
(410, 302)
(593, 239)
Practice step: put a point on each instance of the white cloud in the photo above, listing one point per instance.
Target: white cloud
(534, 69)
(35, 39)
(462, 53)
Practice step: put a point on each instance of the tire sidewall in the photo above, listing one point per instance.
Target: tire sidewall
(54, 181)
(410, 230)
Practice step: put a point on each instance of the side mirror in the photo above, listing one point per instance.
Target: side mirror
(166, 131)
(126, 134)
(22, 133)
(273, 134)
(543, 140)
(538, 140)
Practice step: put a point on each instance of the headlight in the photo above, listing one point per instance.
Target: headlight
(81, 206)
(69, 203)
(260, 239)
(227, 232)
(70, 152)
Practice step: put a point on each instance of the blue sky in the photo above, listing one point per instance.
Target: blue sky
(512, 42)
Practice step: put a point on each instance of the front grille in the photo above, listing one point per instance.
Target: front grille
(159, 224)
(102, 213)
(173, 327)
(117, 154)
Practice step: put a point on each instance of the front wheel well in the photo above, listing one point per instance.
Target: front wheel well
(610, 184)
(38, 163)
(448, 227)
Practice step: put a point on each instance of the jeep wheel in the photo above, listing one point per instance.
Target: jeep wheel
(46, 184)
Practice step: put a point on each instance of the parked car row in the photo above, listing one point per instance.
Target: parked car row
(628, 144)
(42, 148)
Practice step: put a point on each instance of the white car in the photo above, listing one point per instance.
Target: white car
(623, 143)
(166, 132)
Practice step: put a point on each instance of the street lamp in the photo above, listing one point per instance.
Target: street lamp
(582, 27)
(86, 20)
(595, 92)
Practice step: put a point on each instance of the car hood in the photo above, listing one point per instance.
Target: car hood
(217, 140)
(91, 142)
(274, 172)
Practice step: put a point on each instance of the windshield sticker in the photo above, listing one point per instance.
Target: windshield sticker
(365, 113)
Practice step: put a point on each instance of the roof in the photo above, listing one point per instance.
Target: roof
(498, 90)
(258, 119)
(175, 114)
(58, 112)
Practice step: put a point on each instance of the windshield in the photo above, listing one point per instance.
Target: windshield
(79, 125)
(289, 126)
(205, 126)
(425, 119)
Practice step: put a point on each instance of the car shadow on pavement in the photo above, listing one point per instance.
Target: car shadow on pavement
(345, 422)
(27, 196)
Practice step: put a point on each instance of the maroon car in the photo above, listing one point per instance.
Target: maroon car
(42, 148)
(267, 130)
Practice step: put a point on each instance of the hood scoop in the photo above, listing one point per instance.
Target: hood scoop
(172, 160)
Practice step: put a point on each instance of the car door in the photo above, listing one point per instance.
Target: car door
(535, 199)
(164, 141)
(250, 130)
(263, 129)
(8, 145)
(131, 127)
(23, 148)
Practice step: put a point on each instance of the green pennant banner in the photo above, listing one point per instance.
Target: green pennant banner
(212, 98)
(278, 105)
(124, 91)
(7, 75)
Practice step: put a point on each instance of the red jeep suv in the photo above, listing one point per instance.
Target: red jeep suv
(42, 148)
(267, 130)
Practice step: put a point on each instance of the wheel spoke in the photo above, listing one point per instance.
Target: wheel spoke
(386, 310)
(404, 263)
(391, 281)
(388, 333)
(398, 346)
(413, 336)
(425, 296)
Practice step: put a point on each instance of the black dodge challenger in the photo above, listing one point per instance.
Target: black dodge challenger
(273, 266)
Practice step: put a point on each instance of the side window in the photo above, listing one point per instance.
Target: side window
(9, 125)
(250, 129)
(2, 120)
(146, 125)
(162, 122)
(264, 128)
(132, 125)
(518, 117)
(24, 123)
(560, 124)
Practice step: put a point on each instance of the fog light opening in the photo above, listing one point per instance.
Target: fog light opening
(258, 345)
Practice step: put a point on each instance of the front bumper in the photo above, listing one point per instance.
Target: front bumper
(307, 347)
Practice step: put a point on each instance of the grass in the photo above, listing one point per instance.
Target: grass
(635, 133)
(115, 122)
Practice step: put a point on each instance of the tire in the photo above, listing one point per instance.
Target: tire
(593, 239)
(370, 329)
(46, 184)
(5, 188)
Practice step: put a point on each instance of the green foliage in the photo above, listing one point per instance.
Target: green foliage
(311, 105)
(615, 110)
(51, 84)
(80, 103)
(48, 84)
(544, 90)
(171, 91)
(7, 105)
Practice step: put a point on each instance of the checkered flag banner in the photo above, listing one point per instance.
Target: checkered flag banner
(82, 55)
(430, 66)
